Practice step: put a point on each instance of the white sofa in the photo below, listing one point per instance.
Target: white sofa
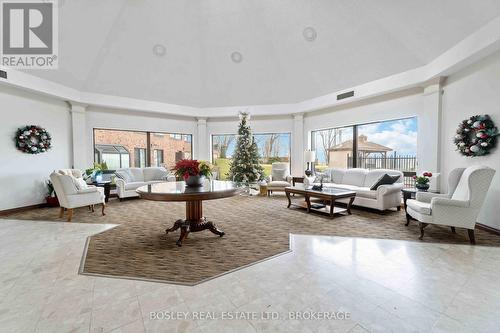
(73, 192)
(130, 179)
(459, 208)
(360, 181)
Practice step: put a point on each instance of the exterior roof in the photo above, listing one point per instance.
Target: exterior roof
(363, 146)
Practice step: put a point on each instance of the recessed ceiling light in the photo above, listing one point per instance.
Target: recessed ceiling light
(159, 50)
(236, 57)
(309, 34)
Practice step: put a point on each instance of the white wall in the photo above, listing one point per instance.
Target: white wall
(472, 91)
(23, 175)
(119, 119)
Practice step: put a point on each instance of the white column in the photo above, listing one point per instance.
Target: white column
(298, 145)
(79, 131)
(429, 130)
(203, 141)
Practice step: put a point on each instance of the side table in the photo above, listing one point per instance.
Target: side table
(297, 180)
(106, 184)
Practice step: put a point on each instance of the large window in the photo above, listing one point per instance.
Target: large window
(273, 147)
(123, 149)
(386, 144)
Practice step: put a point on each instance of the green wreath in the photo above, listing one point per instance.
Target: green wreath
(33, 140)
(476, 136)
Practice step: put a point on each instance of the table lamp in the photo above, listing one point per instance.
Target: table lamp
(309, 157)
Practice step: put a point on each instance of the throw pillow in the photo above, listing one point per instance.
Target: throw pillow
(278, 174)
(384, 180)
(79, 183)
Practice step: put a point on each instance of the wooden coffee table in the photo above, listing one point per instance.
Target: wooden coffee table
(193, 196)
(325, 199)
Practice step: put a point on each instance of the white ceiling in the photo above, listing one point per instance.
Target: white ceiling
(106, 46)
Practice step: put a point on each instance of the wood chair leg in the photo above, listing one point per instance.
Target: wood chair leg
(408, 219)
(453, 230)
(70, 214)
(103, 207)
(61, 212)
(422, 226)
(472, 238)
(92, 208)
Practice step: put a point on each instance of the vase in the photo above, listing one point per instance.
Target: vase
(422, 187)
(195, 181)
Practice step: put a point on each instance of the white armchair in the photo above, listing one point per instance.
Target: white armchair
(279, 178)
(73, 193)
(459, 207)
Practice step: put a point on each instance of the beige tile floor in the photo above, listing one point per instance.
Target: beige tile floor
(383, 285)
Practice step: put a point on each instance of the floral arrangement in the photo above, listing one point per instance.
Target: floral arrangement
(185, 168)
(33, 140)
(424, 179)
(476, 136)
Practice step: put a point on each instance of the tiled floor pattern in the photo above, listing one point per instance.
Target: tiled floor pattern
(384, 286)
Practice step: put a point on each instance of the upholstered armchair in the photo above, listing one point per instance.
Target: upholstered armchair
(458, 208)
(72, 193)
(280, 177)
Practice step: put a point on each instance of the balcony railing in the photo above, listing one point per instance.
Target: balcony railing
(405, 164)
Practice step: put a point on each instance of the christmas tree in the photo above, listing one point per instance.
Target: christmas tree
(245, 167)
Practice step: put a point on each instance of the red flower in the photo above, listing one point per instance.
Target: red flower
(414, 177)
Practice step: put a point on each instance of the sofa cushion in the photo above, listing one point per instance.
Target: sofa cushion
(125, 175)
(336, 175)
(419, 206)
(342, 186)
(134, 185)
(365, 192)
(354, 177)
(154, 173)
(137, 174)
(278, 174)
(278, 184)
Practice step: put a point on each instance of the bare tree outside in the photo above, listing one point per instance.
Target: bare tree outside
(327, 139)
(221, 144)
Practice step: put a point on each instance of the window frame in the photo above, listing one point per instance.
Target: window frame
(148, 140)
(355, 134)
(254, 134)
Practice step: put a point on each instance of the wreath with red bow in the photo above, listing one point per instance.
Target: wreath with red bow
(476, 136)
(33, 140)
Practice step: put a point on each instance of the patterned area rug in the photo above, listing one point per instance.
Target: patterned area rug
(256, 228)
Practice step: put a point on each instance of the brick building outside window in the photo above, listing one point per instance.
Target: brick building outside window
(123, 149)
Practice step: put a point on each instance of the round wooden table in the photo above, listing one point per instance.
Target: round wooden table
(193, 196)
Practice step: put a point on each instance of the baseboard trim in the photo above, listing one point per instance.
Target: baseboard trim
(488, 228)
(21, 209)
